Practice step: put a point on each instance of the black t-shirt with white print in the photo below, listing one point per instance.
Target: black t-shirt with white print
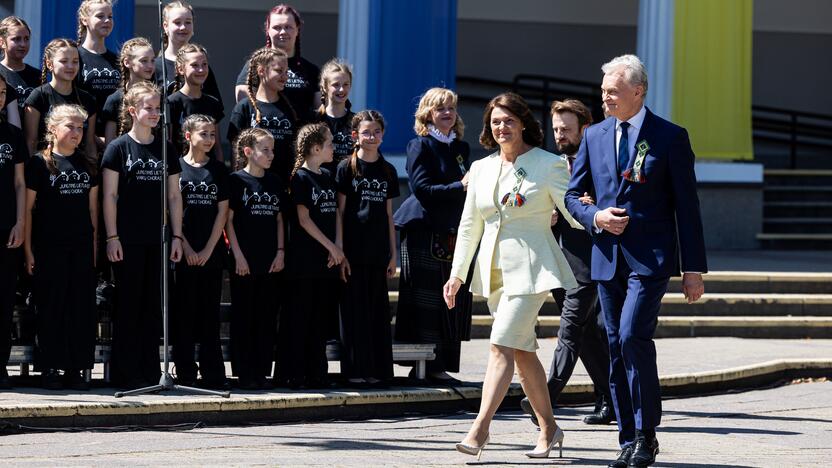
(61, 214)
(256, 202)
(111, 112)
(44, 97)
(182, 106)
(317, 193)
(301, 86)
(202, 189)
(279, 120)
(343, 146)
(12, 152)
(140, 169)
(23, 82)
(366, 232)
(99, 75)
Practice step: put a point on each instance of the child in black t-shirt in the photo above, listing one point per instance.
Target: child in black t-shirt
(60, 59)
(367, 185)
(99, 72)
(191, 71)
(12, 199)
(135, 64)
(21, 78)
(314, 259)
(255, 232)
(61, 219)
(336, 82)
(133, 169)
(267, 108)
(203, 183)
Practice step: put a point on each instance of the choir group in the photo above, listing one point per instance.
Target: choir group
(304, 223)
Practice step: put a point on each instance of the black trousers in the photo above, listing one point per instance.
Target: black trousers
(64, 295)
(9, 263)
(254, 310)
(367, 345)
(581, 335)
(137, 321)
(302, 338)
(196, 319)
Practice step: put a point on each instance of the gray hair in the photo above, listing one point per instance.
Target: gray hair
(634, 71)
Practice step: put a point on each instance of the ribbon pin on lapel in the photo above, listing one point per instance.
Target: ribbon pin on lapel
(514, 198)
(461, 162)
(634, 173)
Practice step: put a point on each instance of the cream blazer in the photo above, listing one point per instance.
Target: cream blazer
(530, 259)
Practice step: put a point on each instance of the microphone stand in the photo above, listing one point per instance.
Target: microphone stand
(166, 381)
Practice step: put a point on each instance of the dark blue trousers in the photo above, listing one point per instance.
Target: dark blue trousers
(630, 304)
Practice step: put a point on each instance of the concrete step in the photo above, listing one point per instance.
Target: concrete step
(795, 241)
(803, 177)
(763, 282)
(711, 305)
(797, 225)
(797, 209)
(797, 193)
(695, 326)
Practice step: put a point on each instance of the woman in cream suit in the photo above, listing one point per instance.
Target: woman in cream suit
(508, 211)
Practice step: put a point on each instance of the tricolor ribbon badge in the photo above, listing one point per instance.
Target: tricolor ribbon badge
(634, 174)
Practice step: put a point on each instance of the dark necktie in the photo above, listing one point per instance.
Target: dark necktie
(623, 148)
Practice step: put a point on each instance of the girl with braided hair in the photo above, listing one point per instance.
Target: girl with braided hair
(314, 260)
(283, 27)
(191, 72)
(99, 72)
(60, 59)
(367, 185)
(196, 317)
(266, 107)
(61, 220)
(132, 171)
(177, 31)
(255, 232)
(135, 64)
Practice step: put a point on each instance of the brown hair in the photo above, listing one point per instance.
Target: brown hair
(366, 116)
(284, 9)
(573, 106)
(262, 57)
(127, 53)
(84, 13)
(433, 98)
(56, 115)
(49, 53)
(10, 22)
(335, 65)
(309, 135)
(247, 139)
(513, 103)
(190, 123)
(131, 99)
(168, 7)
(191, 48)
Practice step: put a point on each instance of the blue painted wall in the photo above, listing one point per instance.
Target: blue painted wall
(59, 18)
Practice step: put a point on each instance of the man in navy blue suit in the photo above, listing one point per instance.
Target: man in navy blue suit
(645, 221)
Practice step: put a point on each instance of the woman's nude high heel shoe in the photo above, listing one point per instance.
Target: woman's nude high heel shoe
(557, 439)
(472, 450)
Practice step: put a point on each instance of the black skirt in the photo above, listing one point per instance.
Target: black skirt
(422, 316)
(367, 349)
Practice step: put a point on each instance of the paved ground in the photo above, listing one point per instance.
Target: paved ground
(785, 426)
(675, 356)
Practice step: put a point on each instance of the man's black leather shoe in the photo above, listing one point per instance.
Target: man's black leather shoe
(526, 406)
(644, 452)
(603, 416)
(623, 459)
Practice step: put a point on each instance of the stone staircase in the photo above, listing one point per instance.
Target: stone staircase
(797, 210)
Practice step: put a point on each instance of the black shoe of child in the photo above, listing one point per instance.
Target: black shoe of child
(217, 384)
(5, 383)
(52, 380)
(247, 384)
(265, 384)
(186, 381)
(74, 380)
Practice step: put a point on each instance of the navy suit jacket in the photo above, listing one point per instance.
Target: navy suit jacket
(665, 224)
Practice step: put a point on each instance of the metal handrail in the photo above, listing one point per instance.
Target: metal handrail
(770, 124)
